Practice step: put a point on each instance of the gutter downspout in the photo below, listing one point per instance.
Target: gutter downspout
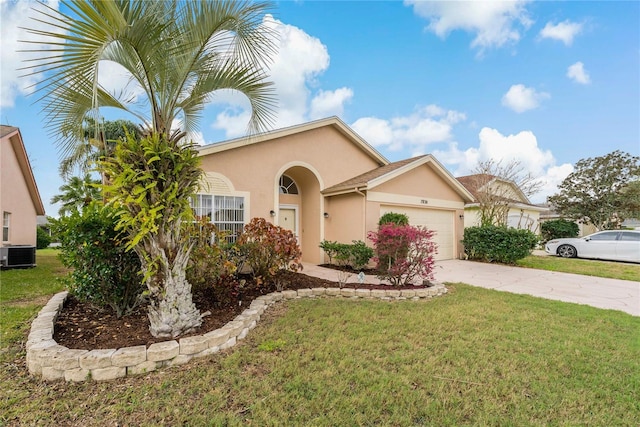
(364, 213)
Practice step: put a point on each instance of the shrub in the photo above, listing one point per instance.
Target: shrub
(393, 218)
(403, 253)
(330, 248)
(558, 229)
(361, 254)
(268, 249)
(356, 255)
(343, 254)
(104, 272)
(499, 244)
(43, 240)
(210, 263)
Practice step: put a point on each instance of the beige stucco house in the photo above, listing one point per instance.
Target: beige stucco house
(20, 201)
(521, 214)
(324, 182)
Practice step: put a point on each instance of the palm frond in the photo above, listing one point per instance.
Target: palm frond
(179, 53)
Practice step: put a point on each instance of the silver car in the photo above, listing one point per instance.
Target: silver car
(615, 245)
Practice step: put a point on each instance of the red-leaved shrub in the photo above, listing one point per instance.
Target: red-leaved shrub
(268, 249)
(403, 253)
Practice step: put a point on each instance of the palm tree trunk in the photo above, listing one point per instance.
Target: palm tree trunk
(171, 309)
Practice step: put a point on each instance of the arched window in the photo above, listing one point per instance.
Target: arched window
(287, 185)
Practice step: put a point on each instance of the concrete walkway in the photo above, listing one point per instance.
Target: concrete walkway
(597, 292)
(334, 275)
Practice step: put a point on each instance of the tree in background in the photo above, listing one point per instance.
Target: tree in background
(76, 194)
(603, 191)
(558, 229)
(43, 239)
(632, 194)
(178, 54)
(494, 184)
(99, 140)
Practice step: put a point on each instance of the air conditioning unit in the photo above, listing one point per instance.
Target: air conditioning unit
(18, 256)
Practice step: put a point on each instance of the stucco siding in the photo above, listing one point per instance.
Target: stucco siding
(346, 218)
(256, 167)
(314, 159)
(16, 199)
(421, 182)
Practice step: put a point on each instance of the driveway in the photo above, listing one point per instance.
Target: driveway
(598, 292)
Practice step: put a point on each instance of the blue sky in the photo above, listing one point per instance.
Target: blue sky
(545, 83)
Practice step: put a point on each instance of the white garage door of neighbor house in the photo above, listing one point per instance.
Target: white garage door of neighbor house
(440, 221)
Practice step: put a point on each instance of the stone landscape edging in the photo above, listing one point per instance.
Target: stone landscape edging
(51, 361)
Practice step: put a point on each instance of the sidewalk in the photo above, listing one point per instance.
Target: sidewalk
(330, 274)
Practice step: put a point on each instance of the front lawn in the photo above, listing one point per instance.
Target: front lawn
(472, 357)
(609, 269)
(23, 292)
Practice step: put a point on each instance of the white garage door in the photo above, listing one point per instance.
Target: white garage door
(440, 221)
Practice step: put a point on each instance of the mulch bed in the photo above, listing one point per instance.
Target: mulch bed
(84, 326)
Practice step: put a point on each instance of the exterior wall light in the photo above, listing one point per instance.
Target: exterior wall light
(326, 214)
(272, 213)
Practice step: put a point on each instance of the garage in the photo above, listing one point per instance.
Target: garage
(439, 220)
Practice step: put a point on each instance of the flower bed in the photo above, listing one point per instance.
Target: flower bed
(51, 361)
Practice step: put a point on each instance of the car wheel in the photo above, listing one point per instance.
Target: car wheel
(567, 251)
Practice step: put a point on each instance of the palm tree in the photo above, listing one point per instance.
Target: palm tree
(99, 139)
(76, 194)
(178, 54)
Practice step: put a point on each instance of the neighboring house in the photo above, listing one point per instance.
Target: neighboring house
(324, 182)
(520, 212)
(20, 201)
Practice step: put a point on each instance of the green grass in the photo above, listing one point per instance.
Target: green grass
(16, 284)
(609, 269)
(472, 357)
(24, 291)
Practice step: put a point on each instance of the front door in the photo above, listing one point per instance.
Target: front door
(287, 219)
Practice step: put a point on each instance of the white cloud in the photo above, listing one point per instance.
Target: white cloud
(196, 137)
(578, 74)
(301, 59)
(522, 147)
(377, 132)
(234, 118)
(114, 78)
(494, 23)
(14, 15)
(551, 179)
(330, 103)
(520, 98)
(427, 125)
(564, 31)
